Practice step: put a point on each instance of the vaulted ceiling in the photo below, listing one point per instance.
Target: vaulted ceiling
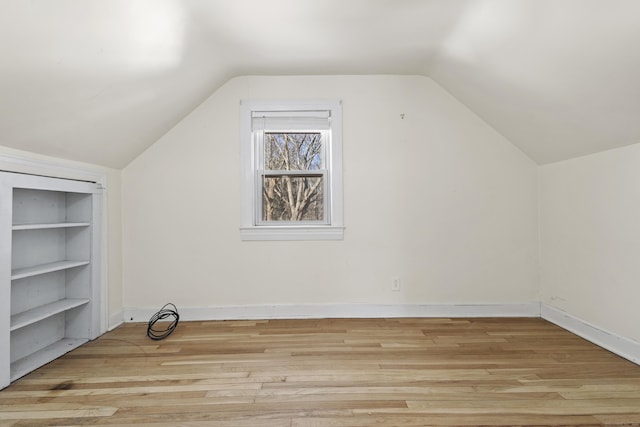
(101, 80)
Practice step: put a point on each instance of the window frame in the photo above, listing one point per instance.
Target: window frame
(252, 226)
(261, 173)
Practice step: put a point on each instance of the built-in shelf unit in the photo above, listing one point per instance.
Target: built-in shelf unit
(49, 270)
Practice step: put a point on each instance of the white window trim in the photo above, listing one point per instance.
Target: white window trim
(250, 228)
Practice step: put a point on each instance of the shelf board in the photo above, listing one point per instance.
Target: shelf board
(21, 273)
(49, 225)
(42, 312)
(23, 366)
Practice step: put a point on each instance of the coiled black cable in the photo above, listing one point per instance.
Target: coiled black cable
(164, 313)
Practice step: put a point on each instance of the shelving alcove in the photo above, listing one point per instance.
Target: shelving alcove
(49, 269)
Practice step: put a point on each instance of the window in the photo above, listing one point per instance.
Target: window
(292, 170)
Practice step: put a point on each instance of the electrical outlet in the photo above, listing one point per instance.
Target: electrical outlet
(395, 284)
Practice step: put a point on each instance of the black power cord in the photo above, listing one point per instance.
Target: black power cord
(163, 314)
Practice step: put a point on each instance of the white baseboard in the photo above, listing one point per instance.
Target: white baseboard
(621, 346)
(116, 319)
(321, 311)
(617, 344)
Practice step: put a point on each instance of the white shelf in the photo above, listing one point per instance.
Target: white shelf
(23, 366)
(50, 271)
(21, 273)
(42, 312)
(49, 225)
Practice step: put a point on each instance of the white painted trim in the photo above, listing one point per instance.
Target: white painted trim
(19, 164)
(292, 233)
(52, 169)
(5, 282)
(322, 311)
(116, 319)
(623, 347)
(250, 229)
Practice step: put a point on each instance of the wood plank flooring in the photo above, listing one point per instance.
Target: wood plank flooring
(330, 373)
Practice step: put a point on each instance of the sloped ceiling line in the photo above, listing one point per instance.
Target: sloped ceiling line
(99, 82)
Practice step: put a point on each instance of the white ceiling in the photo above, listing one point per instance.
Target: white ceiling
(101, 80)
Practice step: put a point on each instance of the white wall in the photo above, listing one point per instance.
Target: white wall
(438, 199)
(590, 245)
(26, 162)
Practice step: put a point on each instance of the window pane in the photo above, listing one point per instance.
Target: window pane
(292, 151)
(292, 198)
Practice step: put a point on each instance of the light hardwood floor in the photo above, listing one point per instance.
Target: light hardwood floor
(335, 372)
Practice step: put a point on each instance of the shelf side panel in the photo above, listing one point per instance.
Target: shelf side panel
(78, 243)
(78, 322)
(78, 207)
(6, 197)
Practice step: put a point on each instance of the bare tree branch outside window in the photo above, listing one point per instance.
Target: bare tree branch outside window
(291, 191)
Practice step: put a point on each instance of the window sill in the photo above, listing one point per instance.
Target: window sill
(291, 233)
